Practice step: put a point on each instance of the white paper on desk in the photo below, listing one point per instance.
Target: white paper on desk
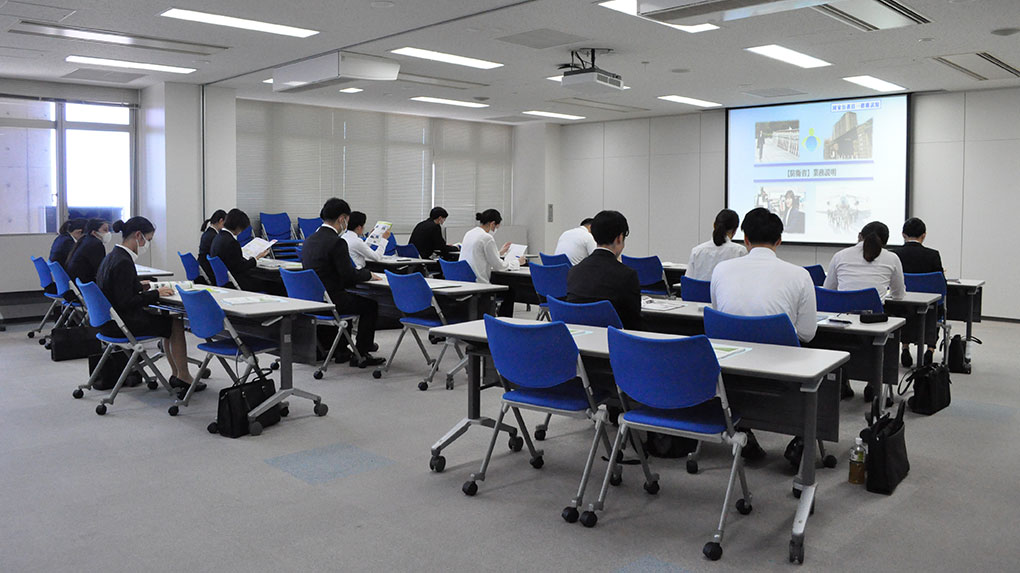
(579, 332)
(256, 246)
(723, 352)
(653, 304)
(249, 300)
(515, 252)
(376, 236)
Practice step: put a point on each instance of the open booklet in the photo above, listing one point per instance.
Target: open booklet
(186, 285)
(256, 246)
(376, 236)
(515, 251)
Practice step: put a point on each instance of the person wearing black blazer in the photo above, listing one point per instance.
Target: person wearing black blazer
(793, 217)
(70, 232)
(210, 228)
(427, 236)
(327, 254)
(226, 247)
(601, 276)
(87, 254)
(118, 280)
(917, 258)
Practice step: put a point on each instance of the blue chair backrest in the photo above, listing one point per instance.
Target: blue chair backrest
(246, 236)
(550, 280)
(191, 269)
(649, 269)
(220, 270)
(817, 274)
(601, 313)
(551, 260)
(305, 285)
(664, 373)
(96, 302)
(391, 246)
(308, 227)
(411, 293)
(550, 349)
(694, 290)
(934, 283)
(205, 316)
(276, 226)
(457, 271)
(63, 282)
(409, 251)
(41, 269)
(848, 300)
(772, 329)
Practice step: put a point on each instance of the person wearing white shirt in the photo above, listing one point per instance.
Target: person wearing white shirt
(721, 248)
(867, 265)
(577, 243)
(361, 252)
(479, 249)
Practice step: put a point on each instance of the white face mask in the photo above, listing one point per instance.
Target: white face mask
(142, 249)
(106, 238)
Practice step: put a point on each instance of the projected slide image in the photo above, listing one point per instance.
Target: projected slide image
(850, 140)
(777, 141)
(845, 210)
(787, 201)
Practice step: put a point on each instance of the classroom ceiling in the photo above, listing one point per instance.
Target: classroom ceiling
(654, 59)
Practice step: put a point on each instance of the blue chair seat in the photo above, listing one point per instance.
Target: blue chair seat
(122, 340)
(568, 396)
(419, 321)
(53, 296)
(705, 418)
(227, 347)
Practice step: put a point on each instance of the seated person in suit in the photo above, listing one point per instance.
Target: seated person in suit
(479, 249)
(130, 297)
(601, 276)
(917, 258)
(210, 228)
(328, 255)
(867, 264)
(87, 254)
(793, 217)
(70, 232)
(427, 236)
(707, 255)
(226, 247)
(576, 243)
(361, 252)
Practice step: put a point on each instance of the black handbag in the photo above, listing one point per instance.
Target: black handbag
(931, 388)
(236, 401)
(957, 355)
(74, 343)
(887, 462)
(114, 365)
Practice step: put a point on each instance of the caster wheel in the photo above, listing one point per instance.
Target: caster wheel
(152, 384)
(434, 339)
(589, 519)
(829, 461)
(205, 373)
(101, 409)
(449, 383)
(516, 443)
(615, 479)
(569, 514)
(469, 488)
(317, 375)
(540, 435)
(31, 335)
(744, 507)
(796, 493)
(423, 385)
(78, 393)
(437, 463)
(320, 409)
(692, 466)
(796, 551)
(869, 394)
(652, 488)
(537, 462)
(42, 342)
(274, 366)
(213, 428)
(712, 550)
(377, 374)
(255, 428)
(47, 346)
(284, 412)
(173, 410)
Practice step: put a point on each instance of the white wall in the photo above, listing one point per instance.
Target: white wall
(220, 115)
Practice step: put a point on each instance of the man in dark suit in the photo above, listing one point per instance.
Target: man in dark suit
(601, 276)
(328, 255)
(917, 258)
(427, 236)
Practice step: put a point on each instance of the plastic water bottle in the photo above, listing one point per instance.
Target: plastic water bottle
(857, 457)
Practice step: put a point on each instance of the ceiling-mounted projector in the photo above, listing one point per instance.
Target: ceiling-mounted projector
(333, 68)
(592, 80)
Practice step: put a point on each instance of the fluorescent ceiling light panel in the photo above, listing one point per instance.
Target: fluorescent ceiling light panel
(449, 101)
(129, 65)
(690, 101)
(875, 83)
(789, 56)
(446, 58)
(629, 7)
(230, 21)
(351, 90)
(553, 115)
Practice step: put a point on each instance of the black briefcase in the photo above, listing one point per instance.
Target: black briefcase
(236, 401)
(887, 462)
(73, 343)
(931, 389)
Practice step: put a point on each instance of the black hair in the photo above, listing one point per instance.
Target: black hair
(333, 209)
(727, 220)
(357, 219)
(489, 216)
(217, 216)
(607, 226)
(796, 200)
(132, 226)
(70, 225)
(438, 212)
(92, 226)
(586, 221)
(914, 227)
(236, 220)
(875, 235)
(762, 226)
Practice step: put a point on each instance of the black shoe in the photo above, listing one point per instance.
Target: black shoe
(176, 382)
(752, 451)
(341, 357)
(367, 360)
(905, 358)
(375, 347)
(845, 391)
(929, 356)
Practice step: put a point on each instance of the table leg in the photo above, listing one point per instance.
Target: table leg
(806, 505)
(877, 382)
(970, 314)
(287, 388)
(921, 319)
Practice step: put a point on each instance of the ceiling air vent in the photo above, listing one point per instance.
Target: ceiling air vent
(700, 11)
(980, 66)
(871, 15)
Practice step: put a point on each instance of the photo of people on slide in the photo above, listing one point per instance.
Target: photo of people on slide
(846, 210)
(777, 141)
(787, 201)
(850, 140)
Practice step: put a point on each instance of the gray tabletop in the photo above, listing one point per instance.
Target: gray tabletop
(234, 303)
(445, 287)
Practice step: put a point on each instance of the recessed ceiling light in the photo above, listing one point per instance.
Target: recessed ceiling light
(269, 81)
(230, 21)
(553, 115)
(446, 58)
(351, 90)
(789, 56)
(875, 83)
(630, 7)
(690, 101)
(560, 79)
(126, 64)
(449, 101)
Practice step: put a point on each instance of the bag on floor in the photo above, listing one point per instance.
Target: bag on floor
(887, 462)
(236, 401)
(74, 343)
(958, 355)
(666, 446)
(931, 389)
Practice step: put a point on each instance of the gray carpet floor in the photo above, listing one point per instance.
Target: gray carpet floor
(137, 490)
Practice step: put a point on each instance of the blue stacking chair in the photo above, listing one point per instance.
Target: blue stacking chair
(74, 312)
(391, 246)
(412, 295)
(101, 312)
(222, 275)
(599, 313)
(408, 251)
(673, 386)
(277, 226)
(306, 285)
(650, 274)
(457, 271)
(553, 380)
(246, 236)
(549, 281)
(817, 274)
(934, 283)
(829, 300)
(191, 269)
(45, 280)
(694, 290)
(550, 260)
(308, 227)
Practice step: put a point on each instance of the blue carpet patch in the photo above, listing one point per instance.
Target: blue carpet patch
(651, 565)
(328, 463)
(980, 411)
